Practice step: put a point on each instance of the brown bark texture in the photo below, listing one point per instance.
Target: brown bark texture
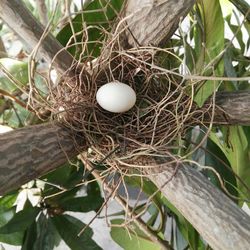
(233, 108)
(217, 218)
(28, 153)
(153, 22)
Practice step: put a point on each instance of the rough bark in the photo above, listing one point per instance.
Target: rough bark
(28, 153)
(220, 221)
(21, 21)
(161, 17)
(233, 107)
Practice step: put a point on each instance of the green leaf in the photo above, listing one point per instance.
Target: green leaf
(243, 6)
(209, 44)
(13, 238)
(237, 32)
(215, 158)
(236, 148)
(18, 117)
(30, 237)
(47, 235)
(8, 201)
(188, 232)
(136, 240)
(69, 228)
(82, 204)
(67, 175)
(98, 17)
(150, 189)
(229, 71)
(18, 69)
(20, 221)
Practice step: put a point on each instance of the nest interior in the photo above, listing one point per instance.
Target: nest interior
(164, 109)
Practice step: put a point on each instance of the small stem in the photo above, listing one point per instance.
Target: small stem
(163, 244)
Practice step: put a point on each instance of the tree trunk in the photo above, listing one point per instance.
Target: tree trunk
(22, 22)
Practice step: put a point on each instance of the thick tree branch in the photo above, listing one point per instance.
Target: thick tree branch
(21, 21)
(219, 220)
(27, 153)
(154, 22)
(234, 107)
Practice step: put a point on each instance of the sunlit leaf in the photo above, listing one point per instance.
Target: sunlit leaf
(19, 71)
(210, 43)
(8, 200)
(236, 148)
(16, 116)
(134, 240)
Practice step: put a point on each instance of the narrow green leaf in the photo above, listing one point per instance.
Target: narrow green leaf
(243, 6)
(215, 158)
(150, 189)
(236, 149)
(69, 228)
(7, 201)
(18, 69)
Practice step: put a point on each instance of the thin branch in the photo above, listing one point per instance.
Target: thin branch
(164, 245)
(42, 11)
(21, 21)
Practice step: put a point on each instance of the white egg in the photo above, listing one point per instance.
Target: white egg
(116, 97)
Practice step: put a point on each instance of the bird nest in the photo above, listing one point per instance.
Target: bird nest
(163, 112)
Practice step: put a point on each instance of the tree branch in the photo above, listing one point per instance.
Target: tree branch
(153, 22)
(42, 11)
(27, 153)
(233, 107)
(21, 21)
(219, 220)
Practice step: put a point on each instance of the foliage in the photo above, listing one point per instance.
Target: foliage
(205, 50)
(43, 226)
